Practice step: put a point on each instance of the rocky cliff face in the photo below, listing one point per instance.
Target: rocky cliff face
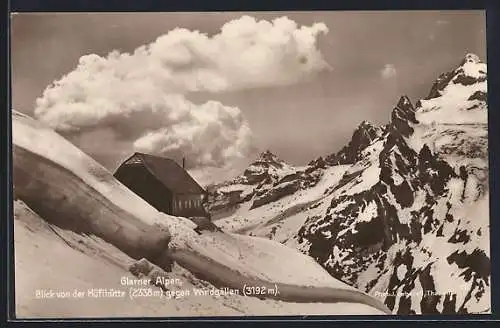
(361, 138)
(406, 218)
(413, 225)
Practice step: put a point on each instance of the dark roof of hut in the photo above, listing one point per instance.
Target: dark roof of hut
(168, 172)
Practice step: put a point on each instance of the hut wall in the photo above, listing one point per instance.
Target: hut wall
(141, 182)
(188, 205)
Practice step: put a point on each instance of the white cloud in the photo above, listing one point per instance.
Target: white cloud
(140, 96)
(388, 71)
(246, 53)
(209, 135)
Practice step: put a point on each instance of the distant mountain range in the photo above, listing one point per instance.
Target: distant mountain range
(401, 212)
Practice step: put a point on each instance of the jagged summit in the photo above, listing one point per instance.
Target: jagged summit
(402, 116)
(268, 156)
(470, 58)
(364, 135)
(268, 159)
(366, 132)
(470, 71)
(267, 166)
(458, 96)
(365, 124)
(404, 102)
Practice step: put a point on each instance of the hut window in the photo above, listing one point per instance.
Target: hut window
(186, 204)
(180, 205)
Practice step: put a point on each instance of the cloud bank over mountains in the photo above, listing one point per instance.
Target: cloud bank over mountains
(141, 98)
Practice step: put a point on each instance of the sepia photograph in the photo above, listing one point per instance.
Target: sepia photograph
(236, 164)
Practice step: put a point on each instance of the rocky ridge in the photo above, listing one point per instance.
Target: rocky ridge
(408, 219)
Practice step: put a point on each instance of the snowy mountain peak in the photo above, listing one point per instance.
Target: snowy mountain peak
(362, 137)
(365, 133)
(471, 71)
(267, 167)
(268, 156)
(471, 58)
(265, 180)
(457, 97)
(365, 125)
(453, 121)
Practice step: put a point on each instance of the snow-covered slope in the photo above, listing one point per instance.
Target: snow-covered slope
(282, 218)
(408, 224)
(86, 209)
(405, 216)
(459, 97)
(32, 135)
(453, 119)
(52, 259)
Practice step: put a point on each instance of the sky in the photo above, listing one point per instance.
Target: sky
(298, 84)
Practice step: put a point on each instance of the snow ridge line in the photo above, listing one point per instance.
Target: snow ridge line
(222, 276)
(62, 198)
